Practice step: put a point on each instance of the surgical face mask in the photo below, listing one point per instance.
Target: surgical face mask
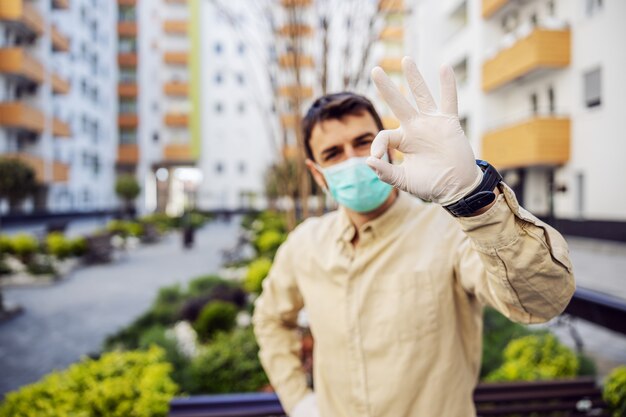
(355, 185)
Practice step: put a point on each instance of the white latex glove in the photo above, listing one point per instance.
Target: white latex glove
(439, 163)
(307, 407)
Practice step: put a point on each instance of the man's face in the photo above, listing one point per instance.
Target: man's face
(334, 141)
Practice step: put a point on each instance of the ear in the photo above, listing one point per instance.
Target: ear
(317, 175)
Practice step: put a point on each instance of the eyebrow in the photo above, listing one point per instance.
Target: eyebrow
(336, 147)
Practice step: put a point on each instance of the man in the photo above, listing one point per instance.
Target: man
(394, 287)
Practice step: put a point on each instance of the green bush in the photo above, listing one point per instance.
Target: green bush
(24, 246)
(40, 265)
(125, 228)
(5, 245)
(161, 221)
(536, 357)
(119, 384)
(257, 271)
(215, 317)
(614, 392)
(4, 268)
(267, 243)
(78, 246)
(57, 245)
(204, 284)
(229, 364)
(157, 336)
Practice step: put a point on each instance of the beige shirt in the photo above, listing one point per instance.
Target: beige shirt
(397, 320)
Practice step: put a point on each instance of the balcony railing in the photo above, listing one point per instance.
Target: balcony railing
(177, 152)
(391, 65)
(127, 28)
(127, 90)
(178, 89)
(18, 63)
(60, 128)
(541, 49)
(58, 172)
(60, 85)
(128, 154)
(127, 60)
(61, 4)
(392, 34)
(175, 27)
(294, 30)
(303, 92)
(176, 120)
(60, 42)
(291, 60)
(491, 7)
(176, 58)
(19, 116)
(127, 121)
(539, 141)
(23, 15)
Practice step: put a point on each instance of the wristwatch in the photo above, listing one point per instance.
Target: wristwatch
(480, 196)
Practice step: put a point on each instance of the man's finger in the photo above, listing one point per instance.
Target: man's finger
(394, 98)
(449, 102)
(386, 139)
(419, 89)
(387, 172)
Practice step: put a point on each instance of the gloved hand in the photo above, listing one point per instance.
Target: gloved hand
(307, 407)
(439, 163)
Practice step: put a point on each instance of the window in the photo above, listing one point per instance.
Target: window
(241, 48)
(241, 108)
(593, 88)
(241, 79)
(219, 108)
(219, 78)
(592, 7)
(534, 103)
(219, 167)
(218, 48)
(551, 100)
(242, 167)
(155, 137)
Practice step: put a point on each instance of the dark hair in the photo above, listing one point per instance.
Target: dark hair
(335, 106)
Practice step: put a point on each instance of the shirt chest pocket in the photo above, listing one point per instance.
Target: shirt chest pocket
(404, 306)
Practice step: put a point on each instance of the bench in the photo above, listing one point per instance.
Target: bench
(574, 397)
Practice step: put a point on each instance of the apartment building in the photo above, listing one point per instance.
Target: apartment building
(541, 94)
(56, 101)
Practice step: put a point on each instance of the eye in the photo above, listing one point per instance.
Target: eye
(364, 142)
(330, 155)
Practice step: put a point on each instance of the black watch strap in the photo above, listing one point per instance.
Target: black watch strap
(481, 196)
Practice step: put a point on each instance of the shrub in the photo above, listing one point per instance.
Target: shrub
(125, 228)
(157, 336)
(267, 243)
(4, 268)
(229, 364)
(5, 245)
(614, 392)
(58, 246)
(119, 384)
(78, 246)
(40, 265)
(161, 221)
(536, 357)
(257, 271)
(204, 284)
(24, 246)
(214, 317)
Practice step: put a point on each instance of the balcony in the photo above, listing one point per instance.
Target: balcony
(391, 6)
(128, 90)
(291, 60)
(491, 7)
(295, 30)
(21, 15)
(60, 128)
(176, 89)
(296, 3)
(392, 34)
(390, 122)
(127, 59)
(176, 1)
(176, 120)
(59, 85)
(542, 49)
(176, 58)
(289, 121)
(128, 154)
(60, 42)
(177, 153)
(175, 27)
(300, 91)
(19, 116)
(129, 3)
(539, 141)
(58, 172)
(127, 29)
(127, 121)
(391, 65)
(60, 4)
(16, 62)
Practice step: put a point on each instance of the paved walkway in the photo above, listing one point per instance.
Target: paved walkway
(63, 322)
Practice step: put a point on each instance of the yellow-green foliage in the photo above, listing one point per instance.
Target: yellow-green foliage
(257, 271)
(58, 245)
(24, 245)
(5, 245)
(124, 228)
(615, 391)
(216, 316)
(536, 357)
(267, 242)
(119, 384)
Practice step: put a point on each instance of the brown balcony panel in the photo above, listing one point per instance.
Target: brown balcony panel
(22, 15)
(127, 121)
(542, 49)
(293, 60)
(126, 2)
(291, 152)
(60, 42)
(127, 29)
(302, 92)
(128, 154)
(58, 172)
(60, 128)
(176, 120)
(18, 116)
(295, 30)
(176, 1)
(541, 141)
(18, 63)
(127, 60)
(289, 121)
(490, 7)
(127, 90)
(175, 27)
(177, 152)
(392, 34)
(59, 85)
(61, 4)
(176, 58)
(391, 6)
(176, 89)
(296, 3)
(391, 65)
(390, 122)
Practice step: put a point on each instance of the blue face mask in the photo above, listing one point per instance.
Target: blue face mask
(355, 185)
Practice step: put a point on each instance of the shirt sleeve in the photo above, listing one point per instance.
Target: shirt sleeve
(275, 327)
(514, 262)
